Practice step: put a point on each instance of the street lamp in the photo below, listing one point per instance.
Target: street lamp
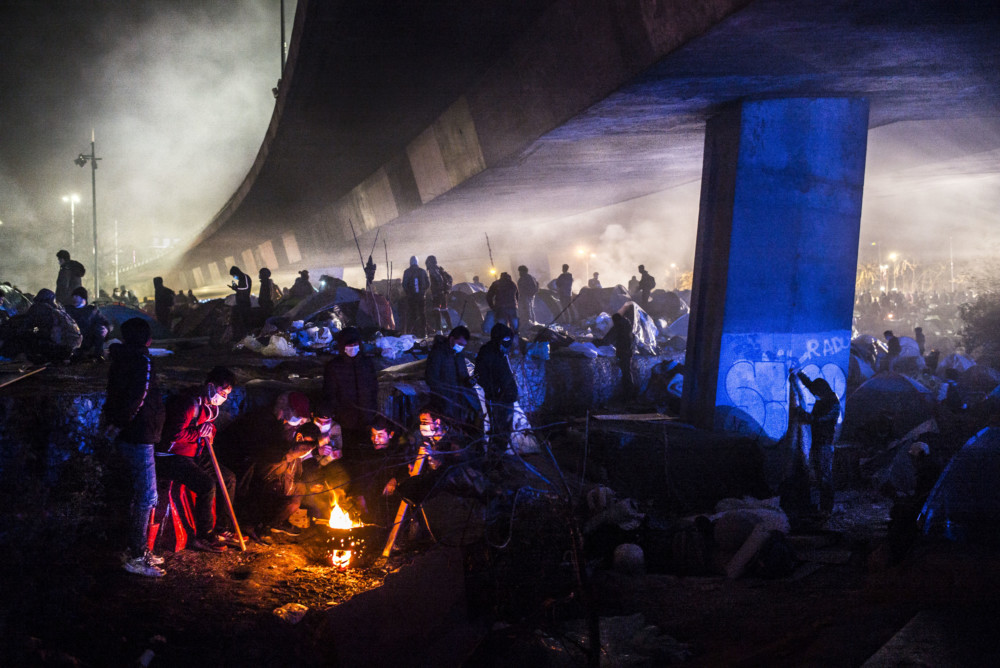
(73, 201)
(82, 160)
(673, 271)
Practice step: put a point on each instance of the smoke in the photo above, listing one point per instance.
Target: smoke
(179, 98)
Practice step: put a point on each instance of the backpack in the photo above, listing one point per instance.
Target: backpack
(446, 280)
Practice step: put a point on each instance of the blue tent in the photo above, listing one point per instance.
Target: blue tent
(119, 313)
(964, 504)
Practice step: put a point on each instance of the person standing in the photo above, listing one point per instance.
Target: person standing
(350, 387)
(527, 288)
(188, 432)
(69, 279)
(415, 286)
(265, 299)
(502, 299)
(622, 338)
(448, 380)
(302, 287)
(133, 417)
(94, 327)
(594, 283)
(564, 288)
(646, 285)
(440, 281)
(633, 287)
(823, 426)
(494, 375)
(241, 310)
(164, 298)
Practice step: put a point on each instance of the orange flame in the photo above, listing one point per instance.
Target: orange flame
(339, 519)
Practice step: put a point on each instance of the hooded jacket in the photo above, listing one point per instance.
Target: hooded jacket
(502, 293)
(493, 370)
(133, 403)
(186, 412)
(69, 279)
(415, 279)
(447, 377)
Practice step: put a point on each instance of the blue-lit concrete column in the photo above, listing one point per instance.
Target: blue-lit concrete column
(776, 258)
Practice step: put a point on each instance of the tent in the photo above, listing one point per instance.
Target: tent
(965, 502)
(12, 302)
(593, 301)
(977, 381)
(324, 301)
(119, 313)
(887, 405)
(679, 327)
(955, 361)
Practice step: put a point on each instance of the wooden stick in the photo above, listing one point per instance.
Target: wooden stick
(24, 375)
(415, 469)
(225, 495)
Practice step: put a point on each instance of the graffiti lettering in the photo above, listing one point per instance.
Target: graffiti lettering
(830, 346)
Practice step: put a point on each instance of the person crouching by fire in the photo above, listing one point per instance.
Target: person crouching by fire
(324, 473)
(184, 453)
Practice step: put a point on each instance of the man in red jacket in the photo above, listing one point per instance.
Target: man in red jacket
(188, 430)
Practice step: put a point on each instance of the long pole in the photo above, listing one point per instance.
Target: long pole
(93, 186)
(225, 495)
(116, 253)
(951, 257)
(281, 72)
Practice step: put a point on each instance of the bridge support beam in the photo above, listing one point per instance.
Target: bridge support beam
(776, 258)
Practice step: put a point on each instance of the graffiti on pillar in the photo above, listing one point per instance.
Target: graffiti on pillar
(753, 397)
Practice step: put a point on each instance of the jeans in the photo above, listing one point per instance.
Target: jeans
(139, 457)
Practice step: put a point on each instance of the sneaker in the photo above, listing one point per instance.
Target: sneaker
(207, 544)
(139, 566)
(153, 559)
(287, 528)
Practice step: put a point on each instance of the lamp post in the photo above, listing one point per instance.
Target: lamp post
(82, 160)
(673, 272)
(73, 201)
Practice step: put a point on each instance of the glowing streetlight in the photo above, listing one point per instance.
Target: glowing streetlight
(73, 201)
(82, 160)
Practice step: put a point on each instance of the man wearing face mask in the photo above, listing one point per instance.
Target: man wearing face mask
(494, 374)
(447, 376)
(188, 430)
(350, 387)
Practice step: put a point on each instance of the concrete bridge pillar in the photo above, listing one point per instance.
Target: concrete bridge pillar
(776, 258)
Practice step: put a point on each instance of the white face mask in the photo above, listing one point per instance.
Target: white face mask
(458, 348)
(296, 421)
(217, 399)
(352, 351)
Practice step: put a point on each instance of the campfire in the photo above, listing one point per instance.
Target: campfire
(339, 519)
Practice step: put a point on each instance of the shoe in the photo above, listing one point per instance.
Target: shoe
(287, 528)
(153, 559)
(227, 538)
(207, 544)
(139, 566)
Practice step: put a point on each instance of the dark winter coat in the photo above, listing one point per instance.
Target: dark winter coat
(415, 281)
(301, 288)
(185, 413)
(823, 418)
(50, 322)
(502, 294)
(564, 285)
(266, 297)
(494, 374)
(243, 286)
(620, 336)
(133, 402)
(89, 319)
(69, 279)
(527, 286)
(447, 377)
(351, 386)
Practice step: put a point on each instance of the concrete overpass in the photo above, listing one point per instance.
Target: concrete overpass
(546, 120)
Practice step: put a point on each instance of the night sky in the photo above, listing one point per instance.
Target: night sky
(178, 94)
